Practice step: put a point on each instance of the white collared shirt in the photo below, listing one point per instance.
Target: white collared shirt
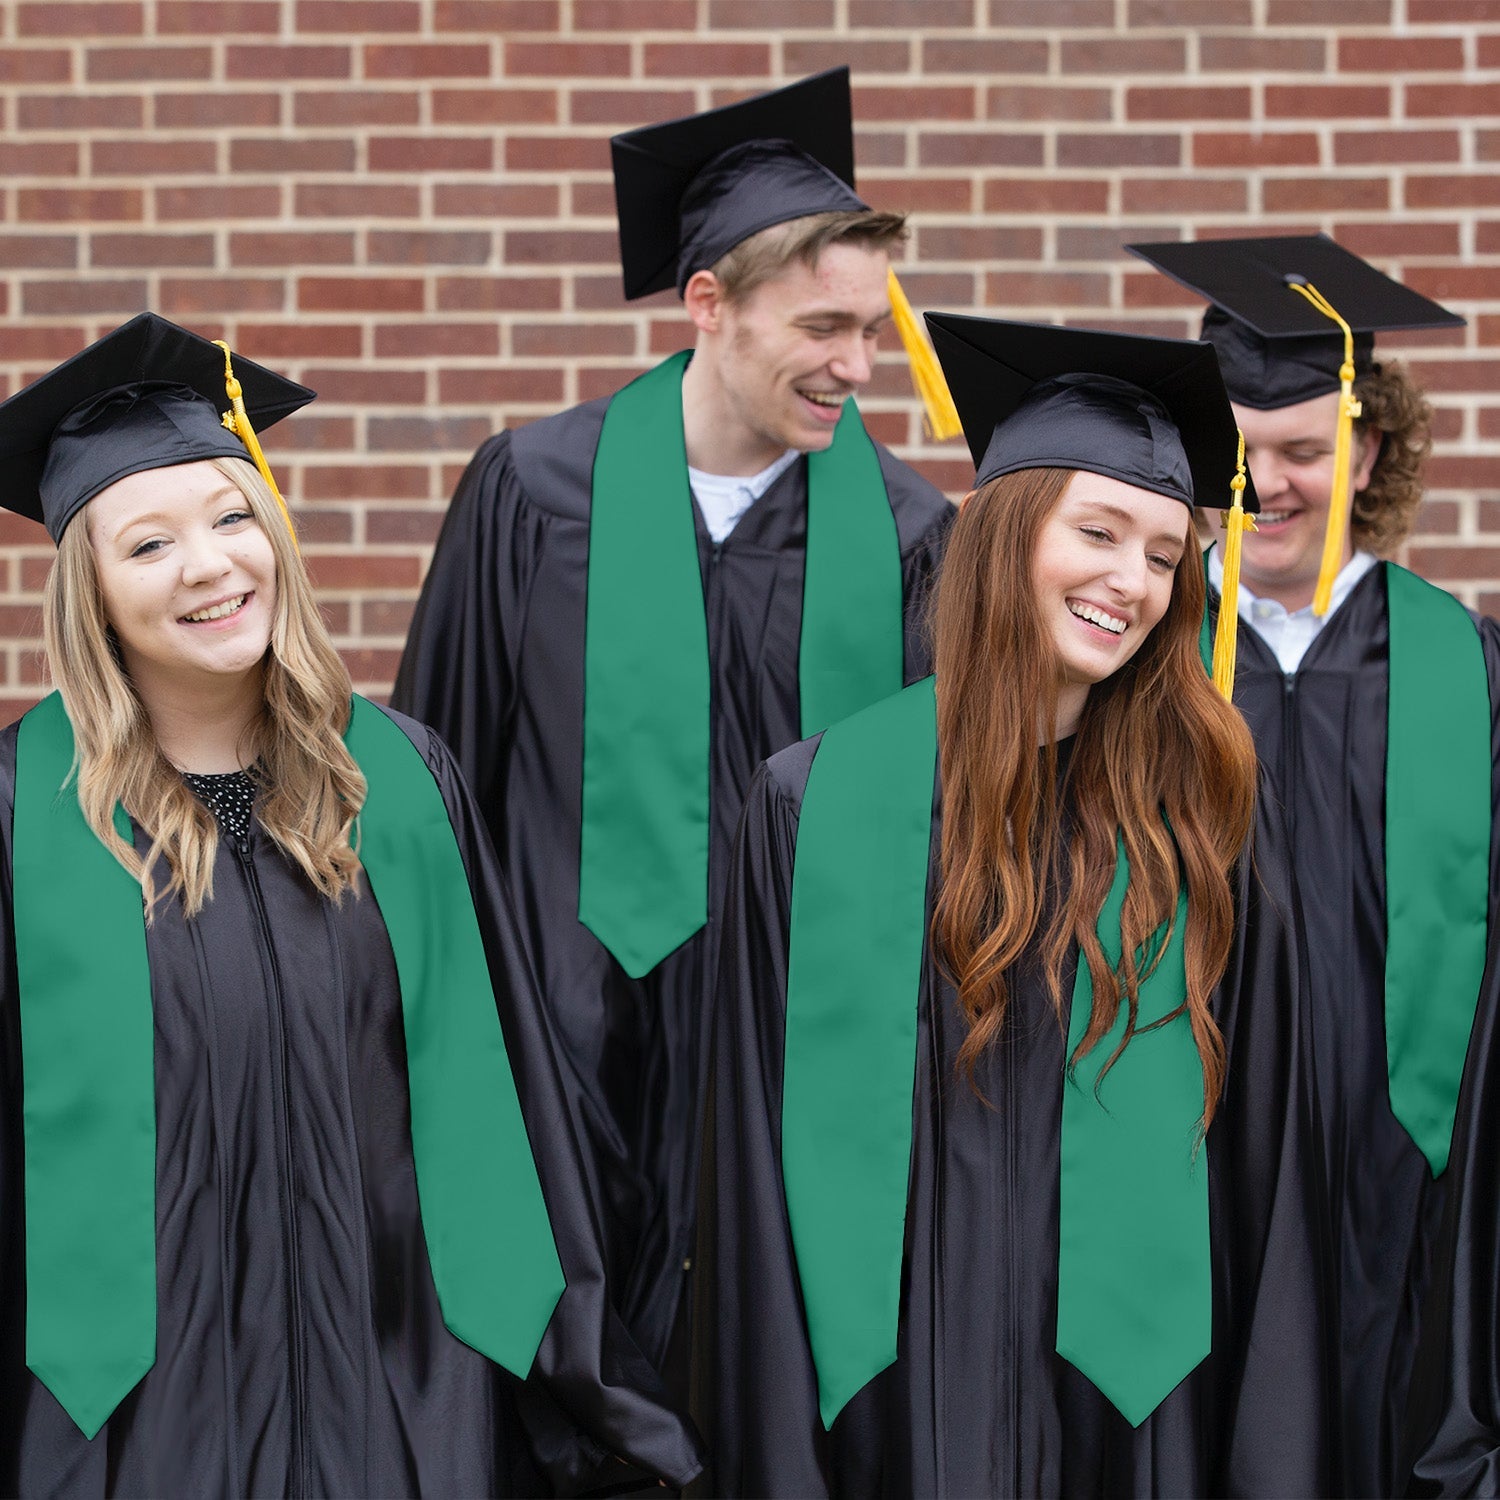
(724, 498)
(1290, 632)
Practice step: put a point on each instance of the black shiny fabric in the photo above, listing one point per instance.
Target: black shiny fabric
(300, 1346)
(1322, 733)
(978, 1402)
(495, 663)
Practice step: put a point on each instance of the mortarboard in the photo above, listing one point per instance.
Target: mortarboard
(149, 395)
(1276, 347)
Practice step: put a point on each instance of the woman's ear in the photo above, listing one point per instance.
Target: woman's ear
(967, 498)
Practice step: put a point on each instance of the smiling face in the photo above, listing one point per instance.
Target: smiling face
(187, 576)
(1103, 569)
(1289, 453)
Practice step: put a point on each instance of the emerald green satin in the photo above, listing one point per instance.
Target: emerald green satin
(1437, 852)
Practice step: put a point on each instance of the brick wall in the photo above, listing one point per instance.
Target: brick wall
(406, 204)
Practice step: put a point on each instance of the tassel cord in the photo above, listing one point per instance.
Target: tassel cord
(926, 373)
(237, 420)
(1226, 638)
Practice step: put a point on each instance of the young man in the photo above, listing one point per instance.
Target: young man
(1372, 709)
(634, 602)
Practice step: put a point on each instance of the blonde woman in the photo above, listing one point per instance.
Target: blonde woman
(286, 1182)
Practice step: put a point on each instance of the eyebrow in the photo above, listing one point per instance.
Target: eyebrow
(159, 518)
(841, 316)
(1120, 513)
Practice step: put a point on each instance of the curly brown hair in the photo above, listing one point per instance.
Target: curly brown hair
(1385, 511)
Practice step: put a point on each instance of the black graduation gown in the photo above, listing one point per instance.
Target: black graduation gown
(978, 1402)
(1321, 731)
(300, 1346)
(495, 663)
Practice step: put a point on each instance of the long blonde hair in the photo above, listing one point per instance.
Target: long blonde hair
(309, 788)
(1155, 739)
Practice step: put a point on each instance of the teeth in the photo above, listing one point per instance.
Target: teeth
(217, 611)
(834, 402)
(1096, 616)
(1273, 517)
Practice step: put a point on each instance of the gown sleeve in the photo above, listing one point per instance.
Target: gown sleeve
(596, 1411)
(1453, 1426)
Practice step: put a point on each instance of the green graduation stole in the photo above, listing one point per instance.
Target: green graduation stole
(643, 872)
(89, 1085)
(1437, 853)
(1134, 1276)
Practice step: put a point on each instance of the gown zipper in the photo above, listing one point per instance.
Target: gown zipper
(300, 1480)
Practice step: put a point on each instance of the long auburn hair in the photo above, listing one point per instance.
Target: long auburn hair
(310, 789)
(1155, 738)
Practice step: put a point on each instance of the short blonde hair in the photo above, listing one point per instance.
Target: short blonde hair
(756, 260)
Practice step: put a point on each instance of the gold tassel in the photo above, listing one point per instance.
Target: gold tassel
(1236, 523)
(237, 420)
(1338, 496)
(926, 372)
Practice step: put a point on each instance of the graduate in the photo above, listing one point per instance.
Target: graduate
(1371, 698)
(289, 1199)
(1012, 1181)
(634, 602)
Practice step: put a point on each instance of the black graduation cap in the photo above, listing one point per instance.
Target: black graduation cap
(1275, 347)
(1151, 412)
(147, 396)
(687, 192)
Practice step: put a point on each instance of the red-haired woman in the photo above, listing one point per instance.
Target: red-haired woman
(991, 1209)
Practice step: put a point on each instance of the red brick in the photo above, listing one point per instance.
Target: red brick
(551, 247)
(365, 385)
(355, 570)
(38, 159)
(1458, 191)
(626, 107)
(359, 294)
(355, 481)
(432, 247)
(1390, 147)
(324, 527)
(264, 341)
(1235, 53)
(910, 194)
(281, 154)
(1187, 104)
(152, 158)
(767, 15)
(988, 55)
(1025, 102)
(862, 57)
(1454, 563)
(1089, 242)
(1329, 13)
(357, 200)
(415, 340)
(561, 340)
(1444, 282)
(149, 251)
(1487, 145)
(966, 242)
(116, 64)
(1124, 56)
(183, 297)
(1095, 14)
(85, 18)
(1042, 289)
(878, 14)
(496, 200)
(304, 433)
(1412, 237)
(427, 60)
(1144, 13)
(1401, 54)
(1149, 289)
(20, 620)
(498, 293)
(1253, 149)
(79, 205)
(927, 104)
(1317, 101)
(1452, 100)
(80, 111)
(1458, 471)
(1431, 12)
(218, 17)
(431, 153)
(1119, 149)
(287, 61)
(1312, 194)
(497, 17)
(389, 527)
(386, 617)
(494, 106)
(936, 288)
(424, 434)
(878, 148)
(1436, 517)
(1489, 53)
(217, 109)
(988, 148)
(567, 59)
(374, 15)
(596, 200)
(1046, 195)
(557, 153)
(283, 247)
(50, 344)
(489, 386)
(1481, 375)
(33, 252)
(357, 107)
(213, 201)
(32, 65)
(706, 59)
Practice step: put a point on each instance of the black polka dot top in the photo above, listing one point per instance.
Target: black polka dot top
(229, 795)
